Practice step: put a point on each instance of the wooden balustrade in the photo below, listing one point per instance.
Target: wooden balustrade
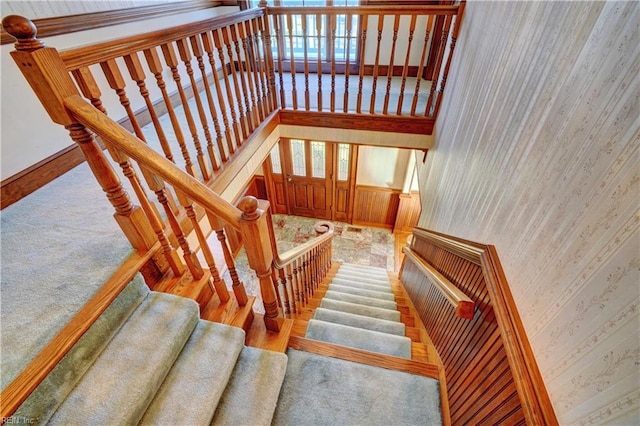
(302, 269)
(225, 55)
(486, 357)
(360, 47)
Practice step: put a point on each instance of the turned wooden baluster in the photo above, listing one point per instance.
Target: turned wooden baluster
(242, 118)
(228, 99)
(276, 27)
(405, 69)
(306, 62)
(168, 251)
(138, 75)
(332, 53)
(294, 301)
(261, 77)
(153, 60)
(319, 71)
(91, 90)
(363, 41)
(47, 75)
(255, 234)
(374, 85)
(209, 48)
(436, 71)
(238, 287)
(299, 291)
(251, 124)
(198, 51)
(392, 59)
(423, 56)
(263, 25)
(159, 188)
(171, 60)
(283, 300)
(452, 46)
(218, 284)
(89, 87)
(250, 69)
(347, 67)
(294, 92)
(185, 56)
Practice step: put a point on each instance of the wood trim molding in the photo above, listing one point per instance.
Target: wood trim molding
(528, 381)
(376, 123)
(365, 357)
(48, 27)
(37, 370)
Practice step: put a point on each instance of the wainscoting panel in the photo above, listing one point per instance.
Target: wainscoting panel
(480, 383)
(375, 206)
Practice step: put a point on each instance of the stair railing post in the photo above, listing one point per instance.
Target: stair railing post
(254, 228)
(47, 75)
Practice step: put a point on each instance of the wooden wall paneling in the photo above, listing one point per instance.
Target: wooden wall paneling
(375, 206)
(483, 374)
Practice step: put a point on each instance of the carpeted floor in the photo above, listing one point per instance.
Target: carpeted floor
(320, 390)
(351, 244)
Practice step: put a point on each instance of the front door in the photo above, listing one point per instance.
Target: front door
(308, 169)
(312, 178)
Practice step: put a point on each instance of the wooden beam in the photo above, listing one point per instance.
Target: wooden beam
(377, 123)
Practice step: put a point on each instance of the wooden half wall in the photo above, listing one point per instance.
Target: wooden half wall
(491, 374)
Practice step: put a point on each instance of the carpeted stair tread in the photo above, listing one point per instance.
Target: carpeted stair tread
(192, 389)
(351, 283)
(46, 398)
(252, 393)
(361, 321)
(361, 279)
(363, 274)
(320, 390)
(362, 292)
(373, 270)
(383, 276)
(354, 337)
(362, 300)
(119, 386)
(354, 308)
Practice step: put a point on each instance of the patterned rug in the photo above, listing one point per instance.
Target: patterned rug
(351, 244)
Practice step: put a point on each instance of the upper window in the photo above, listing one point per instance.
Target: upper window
(319, 36)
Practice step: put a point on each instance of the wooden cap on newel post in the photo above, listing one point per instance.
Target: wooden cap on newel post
(254, 227)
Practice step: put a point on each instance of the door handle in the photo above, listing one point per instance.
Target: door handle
(288, 178)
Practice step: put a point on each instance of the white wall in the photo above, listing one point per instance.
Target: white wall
(537, 153)
(27, 133)
(382, 167)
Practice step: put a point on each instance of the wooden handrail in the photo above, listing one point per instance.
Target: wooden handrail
(465, 307)
(282, 260)
(100, 52)
(136, 149)
(363, 10)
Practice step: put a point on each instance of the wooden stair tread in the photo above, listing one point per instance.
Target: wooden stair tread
(365, 357)
(230, 313)
(259, 337)
(201, 290)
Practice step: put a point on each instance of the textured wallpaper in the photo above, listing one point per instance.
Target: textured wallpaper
(536, 152)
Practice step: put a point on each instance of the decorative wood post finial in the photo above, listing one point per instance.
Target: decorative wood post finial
(24, 31)
(262, 3)
(249, 207)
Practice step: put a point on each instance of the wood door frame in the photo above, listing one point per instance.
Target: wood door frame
(353, 169)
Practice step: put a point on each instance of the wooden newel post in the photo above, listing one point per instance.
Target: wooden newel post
(255, 233)
(47, 75)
